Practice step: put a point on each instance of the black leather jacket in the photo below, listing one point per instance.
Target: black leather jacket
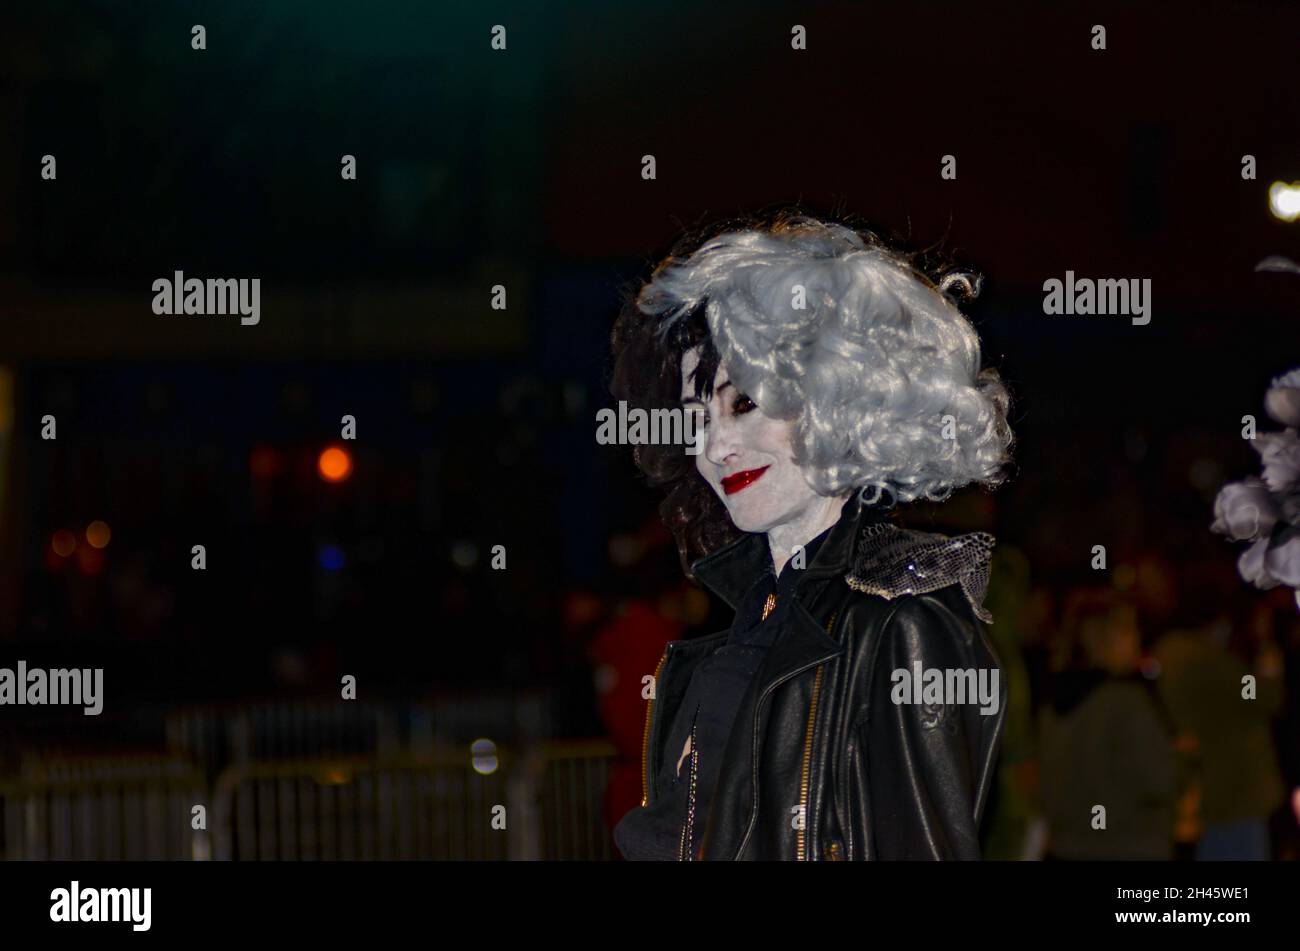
(821, 762)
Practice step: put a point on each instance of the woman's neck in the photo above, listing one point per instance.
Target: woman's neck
(799, 531)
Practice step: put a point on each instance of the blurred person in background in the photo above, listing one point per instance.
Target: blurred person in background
(1104, 741)
(648, 605)
(1225, 721)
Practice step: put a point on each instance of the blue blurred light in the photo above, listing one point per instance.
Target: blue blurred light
(330, 557)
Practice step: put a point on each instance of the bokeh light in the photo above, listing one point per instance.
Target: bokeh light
(98, 534)
(334, 464)
(1284, 200)
(483, 754)
(330, 557)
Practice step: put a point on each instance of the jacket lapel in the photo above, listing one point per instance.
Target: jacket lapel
(730, 571)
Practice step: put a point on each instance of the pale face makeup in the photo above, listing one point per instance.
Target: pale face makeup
(748, 460)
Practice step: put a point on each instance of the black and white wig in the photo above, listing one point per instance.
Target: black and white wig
(827, 326)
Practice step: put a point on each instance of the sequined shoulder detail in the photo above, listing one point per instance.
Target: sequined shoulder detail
(893, 561)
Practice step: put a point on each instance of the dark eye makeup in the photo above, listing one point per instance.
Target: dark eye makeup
(740, 405)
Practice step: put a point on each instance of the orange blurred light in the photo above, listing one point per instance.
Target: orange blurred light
(98, 534)
(334, 465)
(64, 543)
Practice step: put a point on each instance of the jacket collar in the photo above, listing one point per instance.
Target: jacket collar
(731, 571)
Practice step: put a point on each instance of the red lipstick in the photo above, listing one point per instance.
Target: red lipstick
(739, 480)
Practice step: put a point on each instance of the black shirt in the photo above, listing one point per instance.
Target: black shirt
(707, 713)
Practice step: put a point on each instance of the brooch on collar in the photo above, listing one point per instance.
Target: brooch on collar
(891, 561)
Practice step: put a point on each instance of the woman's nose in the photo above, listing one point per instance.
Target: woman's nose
(720, 443)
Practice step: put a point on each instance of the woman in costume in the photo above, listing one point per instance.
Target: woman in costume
(854, 708)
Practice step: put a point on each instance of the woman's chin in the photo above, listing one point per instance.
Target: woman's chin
(750, 521)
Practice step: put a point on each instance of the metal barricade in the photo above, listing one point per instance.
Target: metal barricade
(427, 807)
(451, 806)
(121, 818)
(570, 800)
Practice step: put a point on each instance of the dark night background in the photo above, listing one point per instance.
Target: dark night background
(476, 426)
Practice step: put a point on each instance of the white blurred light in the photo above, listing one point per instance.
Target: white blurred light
(483, 754)
(1284, 200)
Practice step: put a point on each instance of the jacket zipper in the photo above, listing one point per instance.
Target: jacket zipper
(645, 736)
(684, 851)
(801, 839)
(801, 835)
(758, 712)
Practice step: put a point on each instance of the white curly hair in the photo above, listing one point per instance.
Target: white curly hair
(826, 325)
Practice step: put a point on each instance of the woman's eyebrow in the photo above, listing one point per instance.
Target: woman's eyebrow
(696, 399)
